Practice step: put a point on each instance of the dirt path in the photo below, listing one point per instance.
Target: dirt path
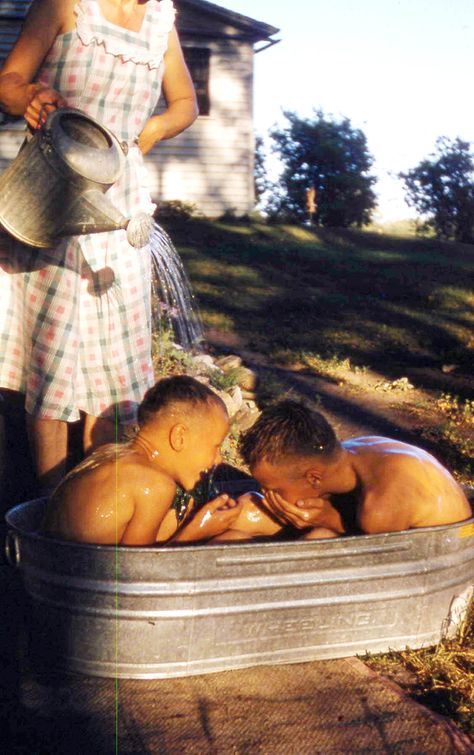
(364, 402)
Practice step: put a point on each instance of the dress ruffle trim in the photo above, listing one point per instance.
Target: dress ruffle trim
(92, 27)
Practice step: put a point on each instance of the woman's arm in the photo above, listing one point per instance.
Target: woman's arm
(18, 95)
(180, 98)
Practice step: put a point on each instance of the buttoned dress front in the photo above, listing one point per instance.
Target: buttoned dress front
(75, 321)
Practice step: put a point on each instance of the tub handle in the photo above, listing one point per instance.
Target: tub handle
(12, 549)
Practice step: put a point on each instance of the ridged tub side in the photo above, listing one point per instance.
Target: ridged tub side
(160, 612)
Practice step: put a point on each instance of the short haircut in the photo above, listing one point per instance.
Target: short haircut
(288, 428)
(177, 389)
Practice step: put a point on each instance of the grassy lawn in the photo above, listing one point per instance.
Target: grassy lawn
(377, 300)
(358, 308)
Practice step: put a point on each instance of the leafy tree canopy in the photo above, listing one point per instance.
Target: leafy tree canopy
(330, 156)
(441, 188)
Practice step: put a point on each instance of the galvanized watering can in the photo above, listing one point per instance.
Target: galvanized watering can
(56, 185)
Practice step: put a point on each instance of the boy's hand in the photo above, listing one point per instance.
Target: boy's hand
(211, 520)
(301, 515)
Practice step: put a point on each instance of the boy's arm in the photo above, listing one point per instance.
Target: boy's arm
(152, 500)
(209, 521)
(253, 521)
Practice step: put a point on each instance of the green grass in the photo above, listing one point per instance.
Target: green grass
(442, 676)
(342, 300)
(380, 301)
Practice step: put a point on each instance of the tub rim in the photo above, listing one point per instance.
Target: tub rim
(35, 535)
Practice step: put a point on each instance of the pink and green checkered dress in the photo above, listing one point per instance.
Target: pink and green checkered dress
(75, 321)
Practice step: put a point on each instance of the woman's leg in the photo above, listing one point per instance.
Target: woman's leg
(48, 442)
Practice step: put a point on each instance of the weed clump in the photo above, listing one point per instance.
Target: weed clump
(441, 677)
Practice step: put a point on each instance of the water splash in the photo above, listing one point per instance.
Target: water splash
(172, 295)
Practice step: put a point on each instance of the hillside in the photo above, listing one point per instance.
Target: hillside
(376, 329)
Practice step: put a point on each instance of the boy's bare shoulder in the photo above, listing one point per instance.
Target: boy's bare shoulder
(145, 477)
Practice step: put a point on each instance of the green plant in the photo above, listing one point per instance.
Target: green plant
(174, 209)
(223, 381)
(168, 359)
(443, 675)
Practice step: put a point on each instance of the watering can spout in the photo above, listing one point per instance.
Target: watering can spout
(92, 212)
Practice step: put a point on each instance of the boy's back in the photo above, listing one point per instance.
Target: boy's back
(114, 496)
(122, 494)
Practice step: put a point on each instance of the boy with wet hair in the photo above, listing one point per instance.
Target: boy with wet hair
(315, 483)
(127, 493)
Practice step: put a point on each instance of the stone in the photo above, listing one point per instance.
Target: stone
(204, 361)
(245, 418)
(231, 405)
(248, 395)
(246, 378)
(236, 395)
(228, 363)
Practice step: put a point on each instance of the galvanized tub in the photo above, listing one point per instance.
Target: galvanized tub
(163, 612)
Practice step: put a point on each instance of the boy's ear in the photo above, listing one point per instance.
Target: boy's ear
(313, 477)
(177, 436)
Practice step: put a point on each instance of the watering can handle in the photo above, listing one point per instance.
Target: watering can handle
(42, 120)
(12, 549)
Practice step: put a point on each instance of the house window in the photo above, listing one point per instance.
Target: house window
(197, 60)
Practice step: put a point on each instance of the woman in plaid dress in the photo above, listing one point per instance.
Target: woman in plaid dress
(75, 326)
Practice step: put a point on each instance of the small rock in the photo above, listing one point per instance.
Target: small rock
(204, 360)
(228, 363)
(245, 418)
(402, 384)
(231, 406)
(246, 378)
(236, 395)
(248, 395)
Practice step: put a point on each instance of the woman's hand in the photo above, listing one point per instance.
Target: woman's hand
(303, 514)
(178, 90)
(151, 134)
(211, 520)
(43, 101)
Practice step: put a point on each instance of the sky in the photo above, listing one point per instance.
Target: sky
(401, 70)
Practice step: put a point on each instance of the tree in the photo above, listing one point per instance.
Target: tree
(441, 188)
(332, 157)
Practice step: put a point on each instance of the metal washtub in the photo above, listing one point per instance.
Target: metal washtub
(155, 612)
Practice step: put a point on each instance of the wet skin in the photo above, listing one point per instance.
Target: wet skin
(124, 494)
(374, 485)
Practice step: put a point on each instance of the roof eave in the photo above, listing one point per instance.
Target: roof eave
(256, 31)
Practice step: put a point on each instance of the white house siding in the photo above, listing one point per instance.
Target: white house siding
(211, 165)
(10, 142)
